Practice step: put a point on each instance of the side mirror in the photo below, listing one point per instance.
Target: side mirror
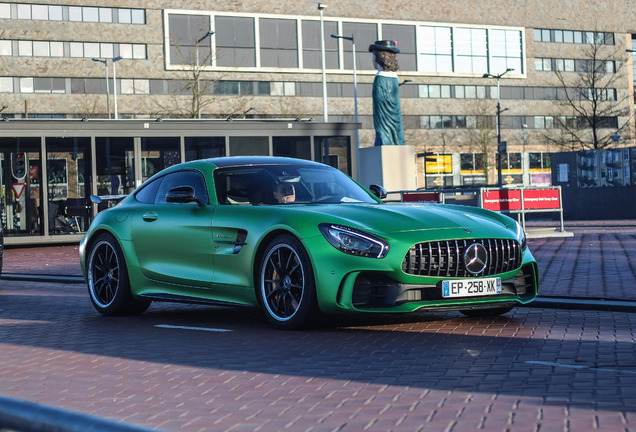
(378, 191)
(183, 195)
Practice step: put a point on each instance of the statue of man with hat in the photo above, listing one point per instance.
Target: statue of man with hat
(387, 115)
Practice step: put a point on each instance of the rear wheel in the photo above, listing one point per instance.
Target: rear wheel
(489, 312)
(108, 283)
(286, 285)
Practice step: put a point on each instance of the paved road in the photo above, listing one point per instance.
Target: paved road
(174, 368)
(193, 368)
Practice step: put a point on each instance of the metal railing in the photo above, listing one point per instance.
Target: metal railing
(22, 416)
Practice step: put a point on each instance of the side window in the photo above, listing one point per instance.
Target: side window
(148, 192)
(183, 178)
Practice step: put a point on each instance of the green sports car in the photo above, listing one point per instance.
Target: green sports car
(301, 240)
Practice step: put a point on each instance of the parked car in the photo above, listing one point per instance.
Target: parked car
(301, 240)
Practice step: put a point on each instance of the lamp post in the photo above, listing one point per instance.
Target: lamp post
(615, 137)
(198, 72)
(499, 111)
(355, 95)
(325, 113)
(105, 61)
(115, 60)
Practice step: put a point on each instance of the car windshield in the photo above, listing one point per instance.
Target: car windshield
(286, 184)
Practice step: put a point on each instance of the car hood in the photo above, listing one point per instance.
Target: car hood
(399, 217)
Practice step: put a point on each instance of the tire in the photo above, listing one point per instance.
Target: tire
(286, 284)
(490, 312)
(108, 282)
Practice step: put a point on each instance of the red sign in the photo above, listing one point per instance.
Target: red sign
(502, 200)
(534, 199)
(18, 188)
(425, 197)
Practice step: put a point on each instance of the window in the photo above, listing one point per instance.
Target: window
(90, 14)
(24, 11)
(74, 13)
(360, 32)
(283, 89)
(6, 85)
(77, 49)
(278, 43)
(106, 50)
(436, 54)
(105, 15)
(26, 85)
(5, 48)
(55, 13)
(235, 42)
(138, 51)
(41, 49)
(505, 46)
(148, 191)
(56, 49)
(471, 50)
(124, 16)
(405, 37)
(5, 10)
(25, 48)
(570, 36)
(312, 47)
(91, 50)
(189, 178)
(40, 12)
(126, 51)
(138, 16)
(185, 33)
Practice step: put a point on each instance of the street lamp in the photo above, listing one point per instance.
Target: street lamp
(325, 114)
(115, 60)
(615, 137)
(105, 61)
(499, 111)
(355, 95)
(4, 107)
(197, 71)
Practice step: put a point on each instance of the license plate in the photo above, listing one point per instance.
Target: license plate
(471, 287)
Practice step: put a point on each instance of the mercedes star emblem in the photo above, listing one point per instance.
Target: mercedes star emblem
(475, 258)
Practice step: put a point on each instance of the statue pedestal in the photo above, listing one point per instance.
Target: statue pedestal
(392, 167)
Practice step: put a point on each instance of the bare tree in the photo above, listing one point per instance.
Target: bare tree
(483, 140)
(590, 96)
(197, 88)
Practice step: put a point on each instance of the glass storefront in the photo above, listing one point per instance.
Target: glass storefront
(68, 171)
(50, 203)
(115, 173)
(21, 180)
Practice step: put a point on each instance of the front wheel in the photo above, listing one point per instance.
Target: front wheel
(108, 283)
(286, 285)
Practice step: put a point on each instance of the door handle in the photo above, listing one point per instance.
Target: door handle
(150, 216)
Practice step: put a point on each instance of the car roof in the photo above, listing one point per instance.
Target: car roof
(231, 161)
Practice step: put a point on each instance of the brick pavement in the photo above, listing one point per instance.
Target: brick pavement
(531, 370)
(598, 262)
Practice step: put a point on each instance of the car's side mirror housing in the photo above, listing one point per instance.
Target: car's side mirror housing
(183, 195)
(378, 191)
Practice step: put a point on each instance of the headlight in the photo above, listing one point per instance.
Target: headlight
(354, 242)
(521, 236)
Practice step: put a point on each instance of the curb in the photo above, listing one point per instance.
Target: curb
(539, 302)
(583, 304)
(42, 278)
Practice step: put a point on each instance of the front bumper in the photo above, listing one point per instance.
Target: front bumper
(376, 292)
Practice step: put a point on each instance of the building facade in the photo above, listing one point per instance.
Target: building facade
(544, 75)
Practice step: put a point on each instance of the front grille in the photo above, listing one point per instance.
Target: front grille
(446, 258)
